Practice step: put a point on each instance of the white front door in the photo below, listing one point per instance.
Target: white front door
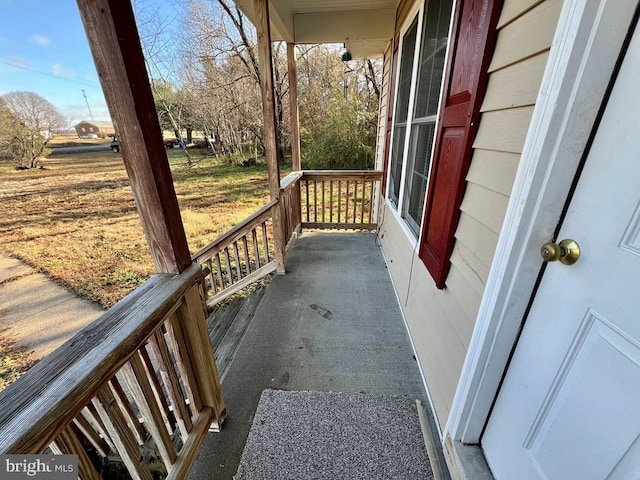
(569, 407)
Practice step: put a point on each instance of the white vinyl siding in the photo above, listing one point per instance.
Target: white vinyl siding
(383, 110)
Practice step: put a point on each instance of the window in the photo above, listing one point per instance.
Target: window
(472, 40)
(401, 111)
(416, 111)
(431, 67)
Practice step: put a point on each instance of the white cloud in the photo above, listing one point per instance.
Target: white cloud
(18, 62)
(60, 71)
(41, 40)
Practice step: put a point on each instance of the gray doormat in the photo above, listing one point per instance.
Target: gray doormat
(317, 435)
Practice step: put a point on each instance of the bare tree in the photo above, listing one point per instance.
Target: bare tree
(12, 131)
(40, 121)
(213, 66)
(221, 76)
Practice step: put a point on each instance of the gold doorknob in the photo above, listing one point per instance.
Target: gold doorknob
(567, 251)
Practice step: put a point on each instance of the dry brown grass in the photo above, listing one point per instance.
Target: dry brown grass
(14, 361)
(76, 219)
(71, 140)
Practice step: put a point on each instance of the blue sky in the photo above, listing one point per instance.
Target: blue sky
(43, 49)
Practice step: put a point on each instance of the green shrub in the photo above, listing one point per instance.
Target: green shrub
(346, 140)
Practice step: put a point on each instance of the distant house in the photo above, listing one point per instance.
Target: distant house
(91, 129)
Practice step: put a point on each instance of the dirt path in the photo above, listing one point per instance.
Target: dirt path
(36, 312)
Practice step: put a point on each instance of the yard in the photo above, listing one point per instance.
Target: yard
(76, 219)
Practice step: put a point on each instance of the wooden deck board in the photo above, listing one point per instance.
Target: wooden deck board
(230, 325)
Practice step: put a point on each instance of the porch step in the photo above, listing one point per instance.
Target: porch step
(228, 323)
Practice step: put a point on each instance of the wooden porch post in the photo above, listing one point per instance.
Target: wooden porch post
(270, 133)
(293, 107)
(113, 38)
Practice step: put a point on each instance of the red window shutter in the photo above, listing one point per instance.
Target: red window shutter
(473, 39)
(390, 105)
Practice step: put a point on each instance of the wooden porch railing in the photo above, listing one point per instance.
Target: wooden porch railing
(241, 256)
(291, 207)
(141, 378)
(341, 199)
(319, 199)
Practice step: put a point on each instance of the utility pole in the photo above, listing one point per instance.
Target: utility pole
(87, 102)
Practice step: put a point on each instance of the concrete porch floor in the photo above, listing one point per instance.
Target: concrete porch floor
(332, 323)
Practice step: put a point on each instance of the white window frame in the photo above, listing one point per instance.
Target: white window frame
(416, 11)
(398, 210)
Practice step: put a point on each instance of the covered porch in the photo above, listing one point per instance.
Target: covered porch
(142, 382)
(332, 323)
(138, 390)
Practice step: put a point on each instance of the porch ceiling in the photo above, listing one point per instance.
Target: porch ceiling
(368, 24)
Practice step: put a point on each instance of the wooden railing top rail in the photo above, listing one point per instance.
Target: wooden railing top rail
(235, 234)
(350, 175)
(290, 180)
(39, 405)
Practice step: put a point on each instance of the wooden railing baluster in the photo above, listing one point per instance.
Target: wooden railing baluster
(127, 411)
(346, 203)
(323, 204)
(175, 339)
(364, 194)
(235, 270)
(91, 415)
(170, 378)
(67, 443)
(306, 185)
(122, 437)
(227, 257)
(256, 250)
(265, 241)
(138, 383)
(219, 271)
(212, 277)
(315, 201)
(339, 199)
(371, 197)
(168, 416)
(291, 203)
(236, 257)
(355, 203)
(90, 433)
(247, 260)
(331, 202)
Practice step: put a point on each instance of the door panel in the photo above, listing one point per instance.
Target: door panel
(568, 408)
(572, 410)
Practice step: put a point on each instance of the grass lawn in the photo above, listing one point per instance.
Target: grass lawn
(72, 140)
(76, 219)
(13, 361)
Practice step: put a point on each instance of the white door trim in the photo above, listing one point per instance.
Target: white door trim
(589, 36)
